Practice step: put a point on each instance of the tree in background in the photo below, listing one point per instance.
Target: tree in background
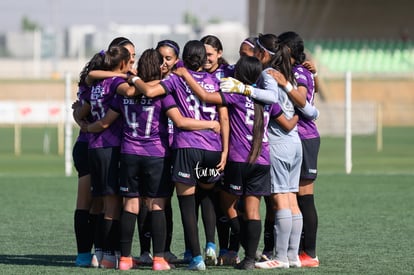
(28, 25)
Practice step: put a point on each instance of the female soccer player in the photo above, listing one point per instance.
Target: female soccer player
(285, 151)
(104, 148)
(310, 138)
(85, 215)
(170, 51)
(246, 175)
(218, 67)
(199, 156)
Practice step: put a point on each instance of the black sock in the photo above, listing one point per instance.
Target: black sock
(253, 231)
(208, 213)
(82, 231)
(128, 221)
(189, 220)
(222, 224)
(97, 232)
(243, 236)
(310, 224)
(169, 225)
(144, 228)
(93, 219)
(114, 236)
(159, 232)
(105, 233)
(268, 235)
(234, 234)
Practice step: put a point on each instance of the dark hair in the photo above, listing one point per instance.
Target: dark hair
(248, 70)
(120, 41)
(194, 55)
(251, 41)
(95, 63)
(214, 42)
(171, 44)
(149, 65)
(280, 56)
(295, 43)
(114, 56)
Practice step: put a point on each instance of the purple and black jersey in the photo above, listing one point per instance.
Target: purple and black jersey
(306, 127)
(83, 95)
(102, 94)
(224, 70)
(190, 106)
(241, 116)
(145, 129)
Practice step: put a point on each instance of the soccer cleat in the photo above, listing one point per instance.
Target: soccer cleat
(271, 264)
(145, 258)
(266, 256)
(197, 263)
(108, 262)
(246, 264)
(83, 259)
(96, 258)
(229, 258)
(210, 257)
(170, 257)
(127, 263)
(159, 263)
(295, 263)
(308, 261)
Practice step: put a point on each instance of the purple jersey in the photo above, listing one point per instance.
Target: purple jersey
(102, 94)
(145, 129)
(224, 70)
(306, 127)
(241, 115)
(84, 95)
(190, 106)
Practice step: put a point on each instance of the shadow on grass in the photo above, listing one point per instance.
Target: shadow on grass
(41, 260)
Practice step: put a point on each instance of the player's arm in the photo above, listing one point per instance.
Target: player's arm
(191, 124)
(101, 74)
(199, 91)
(225, 136)
(312, 68)
(269, 94)
(102, 124)
(126, 90)
(148, 89)
(296, 94)
(287, 124)
(80, 111)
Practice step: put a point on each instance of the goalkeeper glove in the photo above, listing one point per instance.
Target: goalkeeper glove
(232, 85)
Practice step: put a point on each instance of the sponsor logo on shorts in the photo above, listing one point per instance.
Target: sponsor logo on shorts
(123, 189)
(184, 175)
(206, 172)
(235, 187)
(313, 171)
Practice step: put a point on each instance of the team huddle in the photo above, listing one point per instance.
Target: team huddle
(221, 135)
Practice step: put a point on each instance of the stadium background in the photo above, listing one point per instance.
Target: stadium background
(373, 39)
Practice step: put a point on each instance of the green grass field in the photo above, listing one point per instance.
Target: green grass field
(365, 218)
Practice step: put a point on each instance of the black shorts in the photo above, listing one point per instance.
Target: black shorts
(104, 165)
(195, 165)
(246, 179)
(144, 176)
(310, 149)
(80, 158)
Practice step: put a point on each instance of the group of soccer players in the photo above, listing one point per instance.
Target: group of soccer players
(222, 136)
